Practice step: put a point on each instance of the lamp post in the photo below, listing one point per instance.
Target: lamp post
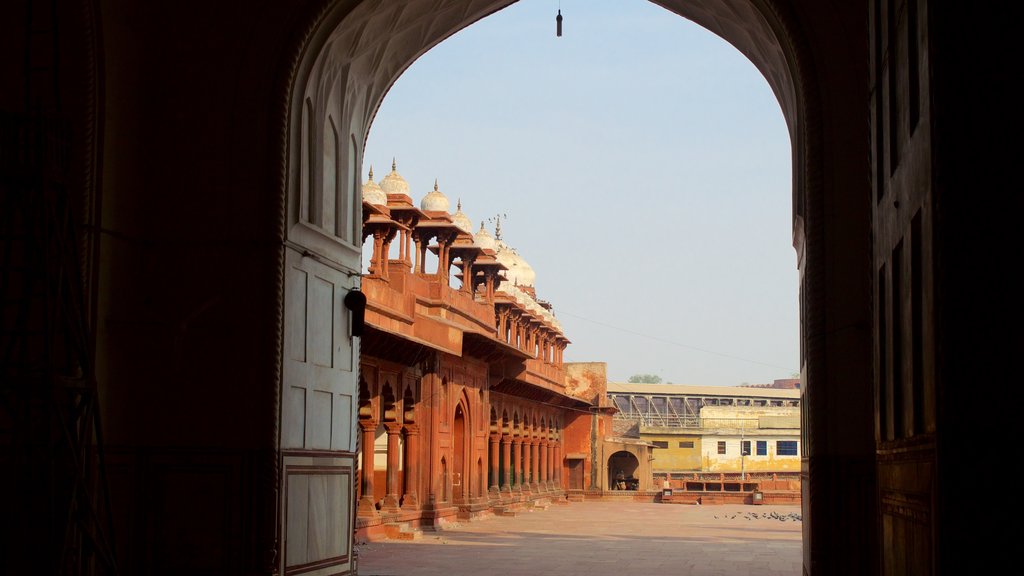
(743, 453)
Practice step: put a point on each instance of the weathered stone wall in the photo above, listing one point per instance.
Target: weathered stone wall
(587, 381)
(625, 428)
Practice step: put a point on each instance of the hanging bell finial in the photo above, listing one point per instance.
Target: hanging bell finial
(558, 24)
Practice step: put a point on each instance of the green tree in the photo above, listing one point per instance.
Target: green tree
(645, 379)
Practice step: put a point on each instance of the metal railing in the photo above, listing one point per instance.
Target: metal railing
(690, 422)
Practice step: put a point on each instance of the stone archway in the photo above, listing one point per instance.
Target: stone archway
(460, 457)
(623, 471)
(358, 51)
(163, 290)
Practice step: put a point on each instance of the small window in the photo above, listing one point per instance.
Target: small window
(660, 443)
(762, 447)
(785, 447)
(721, 446)
(686, 444)
(745, 448)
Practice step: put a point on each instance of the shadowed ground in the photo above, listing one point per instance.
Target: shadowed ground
(603, 538)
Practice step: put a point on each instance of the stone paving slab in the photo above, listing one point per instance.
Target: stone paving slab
(603, 539)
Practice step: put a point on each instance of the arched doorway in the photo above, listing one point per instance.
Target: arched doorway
(776, 44)
(459, 477)
(623, 469)
(822, 47)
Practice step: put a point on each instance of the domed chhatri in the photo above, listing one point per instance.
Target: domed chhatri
(519, 273)
(372, 192)
(393, 183)
(435, 201)
(461, 220)
(484, 239)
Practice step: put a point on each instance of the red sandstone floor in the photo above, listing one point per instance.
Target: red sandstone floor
(603, 538)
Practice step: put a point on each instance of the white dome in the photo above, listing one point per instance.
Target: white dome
(484, 239)
(519, 272)
(373, 193)
(526, 276)
(434, 201)
(461, 220)
(393, 183)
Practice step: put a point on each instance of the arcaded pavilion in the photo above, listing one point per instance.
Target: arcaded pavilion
(464, 397)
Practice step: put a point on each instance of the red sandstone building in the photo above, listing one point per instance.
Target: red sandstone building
(466, 407)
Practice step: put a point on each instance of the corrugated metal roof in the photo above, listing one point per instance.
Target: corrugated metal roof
(690, 390)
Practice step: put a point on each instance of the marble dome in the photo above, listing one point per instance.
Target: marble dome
(434, 201)
(484, 239)
(372, 192)
(461, 220)
(519, 272)
(393, 183)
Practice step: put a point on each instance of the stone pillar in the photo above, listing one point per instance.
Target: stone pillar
(517, 462)
(558, 464)
(544, 465)
(490, 287)
(366, 507)
(417, 265)
(527, 465)
(551, 463)
(408, 247)
(411, 499)
(443, 264)
(535, 464)
(384, 252)
(495, 459)
(374, 266)
(390, 503)
(506, 451)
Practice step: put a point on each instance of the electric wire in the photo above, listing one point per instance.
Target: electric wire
(673, 343)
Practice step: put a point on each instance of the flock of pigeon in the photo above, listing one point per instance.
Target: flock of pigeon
(773, 515)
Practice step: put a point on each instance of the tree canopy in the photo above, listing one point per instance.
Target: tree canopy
(645, 379)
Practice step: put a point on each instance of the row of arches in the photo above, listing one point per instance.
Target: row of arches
(433, 441)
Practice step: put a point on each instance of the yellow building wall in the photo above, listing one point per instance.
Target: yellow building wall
(731, 461)
(674, 458)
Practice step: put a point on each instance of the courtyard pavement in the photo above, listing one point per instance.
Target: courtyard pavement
(603, 539)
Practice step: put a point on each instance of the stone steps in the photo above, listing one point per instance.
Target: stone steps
(402, 531)
(540, 504)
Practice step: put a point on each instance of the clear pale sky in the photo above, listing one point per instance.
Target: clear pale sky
(644, 167)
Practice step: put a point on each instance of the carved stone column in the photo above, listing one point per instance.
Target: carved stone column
(535, 464)
(558, 464)
(385, 248)
(391, 503)
(495, 459)
(506, 451)
(411, 501)
(552, 444)
(491, 276)
(544, 465)
(367, 507)
(517, 462)
(527, 465)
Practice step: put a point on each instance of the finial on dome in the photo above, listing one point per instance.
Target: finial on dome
(458, 205)
(435, 184)
(394, 165)
(481, 226)
(497, 229)
(371, 171)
